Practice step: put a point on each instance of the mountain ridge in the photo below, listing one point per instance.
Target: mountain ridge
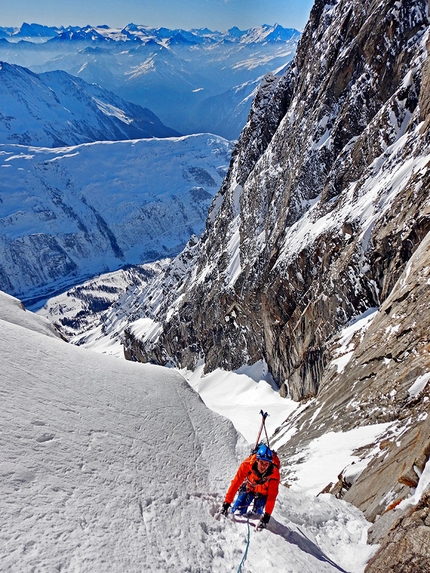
(264, 32)
(55, 109)
(154, 68)
(69, 213)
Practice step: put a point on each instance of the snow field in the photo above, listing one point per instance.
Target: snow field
(112, 466)
(241, 395)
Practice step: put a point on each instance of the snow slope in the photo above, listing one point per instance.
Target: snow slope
(108, 465)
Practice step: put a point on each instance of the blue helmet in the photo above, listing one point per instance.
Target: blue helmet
(264, 453)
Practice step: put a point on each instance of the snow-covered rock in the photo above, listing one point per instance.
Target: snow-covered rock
(95, 313)
(297, 230)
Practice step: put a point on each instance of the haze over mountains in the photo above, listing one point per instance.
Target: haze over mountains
(194, 81)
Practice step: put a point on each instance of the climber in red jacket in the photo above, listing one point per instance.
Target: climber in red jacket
(257, 480)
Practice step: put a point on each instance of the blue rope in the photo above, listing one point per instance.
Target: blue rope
(246, 549)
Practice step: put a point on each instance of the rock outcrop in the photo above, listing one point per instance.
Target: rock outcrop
(407, 547)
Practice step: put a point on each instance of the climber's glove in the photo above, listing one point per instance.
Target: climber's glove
(263, 522)
(224, 510)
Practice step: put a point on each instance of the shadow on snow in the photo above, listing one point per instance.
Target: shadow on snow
(302, 542)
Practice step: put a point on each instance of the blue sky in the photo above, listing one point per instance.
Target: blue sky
(214, 14)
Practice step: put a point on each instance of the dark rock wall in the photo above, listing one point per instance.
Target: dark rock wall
(353, 90)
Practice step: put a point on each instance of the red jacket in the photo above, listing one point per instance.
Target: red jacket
(266, 484)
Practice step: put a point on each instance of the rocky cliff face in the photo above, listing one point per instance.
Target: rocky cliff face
(323, 216)
(315, 221)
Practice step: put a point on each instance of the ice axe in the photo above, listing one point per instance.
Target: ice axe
(263, 425)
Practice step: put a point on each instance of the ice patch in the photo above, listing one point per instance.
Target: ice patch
(419, 385)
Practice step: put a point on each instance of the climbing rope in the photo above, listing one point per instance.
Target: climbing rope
(246, 548)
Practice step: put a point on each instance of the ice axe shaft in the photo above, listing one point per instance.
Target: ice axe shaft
(263, 420)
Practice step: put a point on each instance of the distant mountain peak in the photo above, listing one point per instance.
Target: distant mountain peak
(196, 83)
